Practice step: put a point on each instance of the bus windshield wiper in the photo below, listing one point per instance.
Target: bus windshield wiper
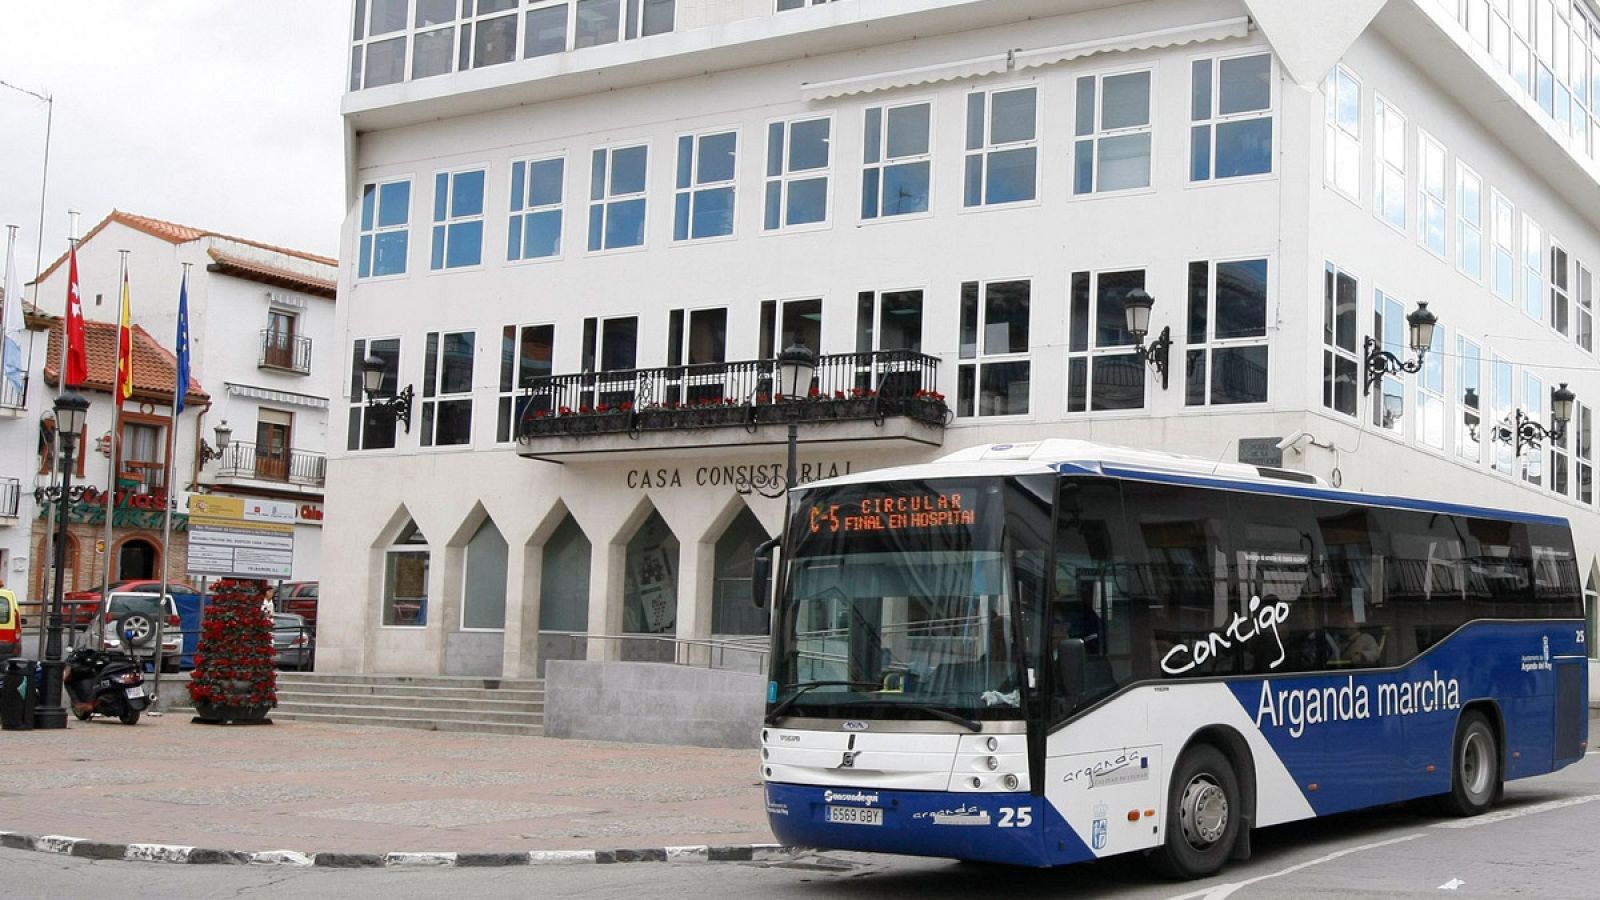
(804, 686)
(940, 712)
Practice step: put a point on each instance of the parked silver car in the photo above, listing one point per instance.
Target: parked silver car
(294, 642)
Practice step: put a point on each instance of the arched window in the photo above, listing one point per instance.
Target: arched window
(405, 579)
(564, 582)
(732, 609)
(483, 596)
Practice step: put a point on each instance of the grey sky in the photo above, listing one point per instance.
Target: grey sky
(220, 114)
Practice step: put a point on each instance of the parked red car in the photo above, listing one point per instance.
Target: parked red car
(79, 607)
(299, 598)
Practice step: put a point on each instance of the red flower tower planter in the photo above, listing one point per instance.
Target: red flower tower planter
(234, 679)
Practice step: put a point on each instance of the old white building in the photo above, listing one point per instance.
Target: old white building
(263, 360)
(577, 203)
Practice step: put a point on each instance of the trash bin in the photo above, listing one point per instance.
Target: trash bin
(18, 695)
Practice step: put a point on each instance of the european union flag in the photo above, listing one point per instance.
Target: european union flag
(182, 388)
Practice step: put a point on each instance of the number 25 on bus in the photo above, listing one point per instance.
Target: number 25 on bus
(1047, 653)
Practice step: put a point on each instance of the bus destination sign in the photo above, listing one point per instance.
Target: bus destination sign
(927, 511)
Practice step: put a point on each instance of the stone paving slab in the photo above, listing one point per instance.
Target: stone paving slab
(327, 792)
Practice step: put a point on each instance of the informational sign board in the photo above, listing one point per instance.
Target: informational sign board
(234, 537)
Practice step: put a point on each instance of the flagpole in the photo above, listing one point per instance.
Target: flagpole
(116, 437)
(166, 525)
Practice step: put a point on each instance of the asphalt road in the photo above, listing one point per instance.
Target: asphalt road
(1537, 843)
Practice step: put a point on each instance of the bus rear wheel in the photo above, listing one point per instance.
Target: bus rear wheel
(1203, 815)
(1474, 767)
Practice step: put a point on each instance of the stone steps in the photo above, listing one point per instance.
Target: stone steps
(428, 702)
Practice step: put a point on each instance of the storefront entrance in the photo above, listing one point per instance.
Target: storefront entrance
(136, 559)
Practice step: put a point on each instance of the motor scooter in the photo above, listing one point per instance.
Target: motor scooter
(105, 682)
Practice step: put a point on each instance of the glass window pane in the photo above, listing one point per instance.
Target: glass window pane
(541, 235)
(369, 205)
(808, 201)
(975, 121)
(467, 197)
(465, 244)
(908, 130)
(1239, 375)
(544, 182)
(596, 22)
(1012, 175)
(1124, 162)
(1241, 299)
(1126, 101)
(388, 16)
(1118, 382)
(1085, 112)
(1111, 320)
(1200, 90)
(389, 253)
(1005, 318)
(808, 145)
(1013, 116)
(432, 53)
(716, 157)
(495, 42)
(1200, 153)
(1244, 148)
(1244, 84)
(657, 17)
(872, 136)
(628, 170)
(1003, 389)
(905, 189)
(713, 213)
(547, 31)
(386, 62)
(625, 224)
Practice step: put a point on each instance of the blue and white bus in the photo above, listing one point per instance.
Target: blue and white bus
(1053, 652)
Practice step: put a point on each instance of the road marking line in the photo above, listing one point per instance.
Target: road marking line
(1503, 815)
(1221, 891)
(1452, 884)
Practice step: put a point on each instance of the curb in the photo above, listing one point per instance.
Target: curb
(175, 853)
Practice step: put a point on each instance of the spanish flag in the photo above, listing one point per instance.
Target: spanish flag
(125, 345)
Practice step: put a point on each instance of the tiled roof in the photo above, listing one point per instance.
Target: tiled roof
(176, 234)
(155, 368)
(239, 267)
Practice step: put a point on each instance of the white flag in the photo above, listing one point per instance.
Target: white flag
(14, 326)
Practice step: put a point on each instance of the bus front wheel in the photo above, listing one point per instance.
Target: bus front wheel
(1475, 767)
(1203, 815)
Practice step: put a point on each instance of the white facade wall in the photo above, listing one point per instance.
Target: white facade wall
(1288, 217)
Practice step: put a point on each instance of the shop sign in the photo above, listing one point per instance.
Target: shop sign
(129, 509)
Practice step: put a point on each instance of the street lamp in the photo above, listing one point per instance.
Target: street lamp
(796, 364)
(1420, 324)
(224, 434)
(372, 371)
(1136, 306)
(71, 412)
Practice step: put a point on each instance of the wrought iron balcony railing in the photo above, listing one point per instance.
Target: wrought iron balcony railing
(289, 352)
(846, 386)
(243, 459)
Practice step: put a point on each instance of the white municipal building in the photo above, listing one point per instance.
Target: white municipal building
(579, 232)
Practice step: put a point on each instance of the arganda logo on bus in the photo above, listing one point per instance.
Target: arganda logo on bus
(895, 512)
(1261, 619)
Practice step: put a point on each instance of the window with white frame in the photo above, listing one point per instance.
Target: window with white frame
(1561, 469)
(788, 322)
(527, 354)
(1227, 359)
(538, 189)
(1103, 371)
(372, 423)
(385, 228)
(1340, 389)
(897, 165)
(596, 22)
(488, 33)
(1502, 234)
(457, 219)
(1230, 115)
(1341, 150)
(799, 4)
(1002, 160)
(617, 178)
(1532, 269)
(611, 352)
(698, 339)
(447, 389)
(405, 579)
(1432, 191)
(888, 321)
(1469, 222)
(799, 159)
(1389, 179)
(1113, 133)
(1583, 325)
(379, 40)
(1583, 453)
(1534, 403)
(1502, 400)
(1560, 289)
(994, 375)
(704, 190)
(433, 38)
(1470, 431)
(1389, 396)
(1430, 395)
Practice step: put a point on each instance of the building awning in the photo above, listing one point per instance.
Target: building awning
(285, 398)
(1222, 29)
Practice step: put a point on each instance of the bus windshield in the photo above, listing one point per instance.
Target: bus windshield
(901, 604)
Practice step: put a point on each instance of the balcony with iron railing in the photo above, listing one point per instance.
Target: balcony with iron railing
(244, 459)
(285, 352)
(10, 497)
(886, 395)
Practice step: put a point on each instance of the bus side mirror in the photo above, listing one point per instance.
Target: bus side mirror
(1072, 668)
(761, 573)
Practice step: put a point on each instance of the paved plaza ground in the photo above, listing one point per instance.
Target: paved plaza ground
(319, 788)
